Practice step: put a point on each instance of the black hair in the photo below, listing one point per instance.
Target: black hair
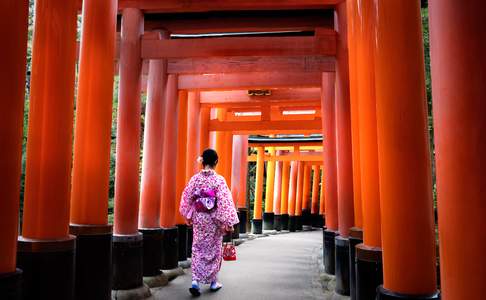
(210, 158)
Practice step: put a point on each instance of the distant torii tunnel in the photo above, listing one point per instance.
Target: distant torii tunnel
(329, 93)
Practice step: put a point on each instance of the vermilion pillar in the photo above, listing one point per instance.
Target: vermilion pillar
(458, 45)
(292, 195)
(344, 154)
(306, 195)
(277, 196)
(14, 16)
(127, 246)
(92, 146)
(149, 216)
(269, 214)
(182, 146)
(204, 116)
(329, 170)
(239, 178)
(316, 174)
(284, 195)
(322, 197)
(193, 131)
(169, 171)
(356, 232)
(152, 146)
(299, 195)
(368, 261)
(407, 223)
(219, 145)
(257, 210)
(49, 154)
(228, 156)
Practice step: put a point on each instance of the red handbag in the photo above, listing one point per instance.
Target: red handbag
(229, 251)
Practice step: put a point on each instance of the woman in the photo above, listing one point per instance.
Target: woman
(208, 206)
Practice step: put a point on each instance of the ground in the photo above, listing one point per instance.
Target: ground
(283, 266)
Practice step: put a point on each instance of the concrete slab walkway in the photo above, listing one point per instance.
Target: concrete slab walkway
(282, 266)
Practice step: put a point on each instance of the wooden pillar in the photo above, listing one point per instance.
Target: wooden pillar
(49, 154)
(277, 196)
(239, 178)
(169, 173)
(228, 156)
(219, 144)
(316, 173)
(92, 146)
(343, 128)
(292, 195)
(182, 147)
(369, 253)
(329, 150)
(14, 16)
(284, 195)
(353, 29)
(128, 125)
(403, 153)
(193, 132)
(126, 235)
(152, 146)
(181, 160)
(343, 153)
(306, 195)
(299, 195)
(257, 209)
(322, 197)
(204, 116)
(240, 170)
(269, 214)
(458, 45)
(151, 189)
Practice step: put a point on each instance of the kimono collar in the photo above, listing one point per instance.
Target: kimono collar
(208, 172)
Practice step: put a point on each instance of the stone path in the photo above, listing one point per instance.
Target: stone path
(283, 266)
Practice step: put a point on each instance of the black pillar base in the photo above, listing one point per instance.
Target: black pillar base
(353, 241)
(243, 216)
(306, 217)
(182, 241)
(369, 271)
(342, 265)
(256, 226)
(384, 294)
(277, 222)
(292, 224)
(284, 219)
(93, 261)
(170, 248)
(127, 261)
(329, 251)
(315, 220)
(268, 221)
(298, 223)
(236, 231)
(152, 247)
(190, 232)
(48, 268)
(11, 285)
(322, 221)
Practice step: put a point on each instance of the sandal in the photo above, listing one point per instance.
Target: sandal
(195, 290)
(215, 286)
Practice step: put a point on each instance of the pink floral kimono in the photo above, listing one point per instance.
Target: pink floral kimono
(207, 225)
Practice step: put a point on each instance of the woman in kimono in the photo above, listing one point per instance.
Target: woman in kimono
(208, 206)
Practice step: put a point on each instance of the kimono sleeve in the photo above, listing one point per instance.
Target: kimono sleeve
(186, 208)
(225, 211)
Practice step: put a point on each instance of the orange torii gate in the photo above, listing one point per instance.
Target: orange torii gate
(366, 61)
